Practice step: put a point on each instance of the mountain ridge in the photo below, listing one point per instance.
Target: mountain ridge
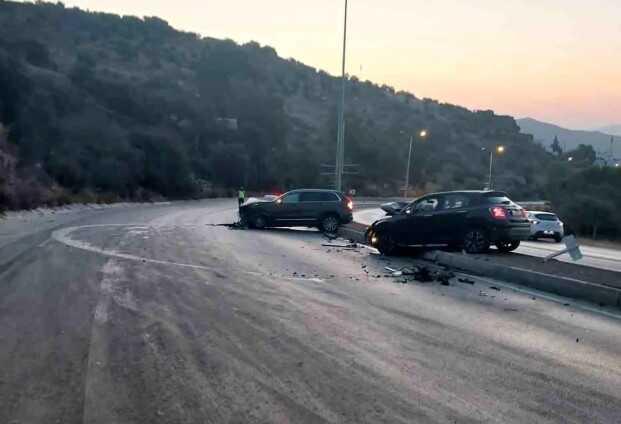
(544, 133)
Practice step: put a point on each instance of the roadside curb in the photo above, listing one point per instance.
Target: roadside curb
(562, 286)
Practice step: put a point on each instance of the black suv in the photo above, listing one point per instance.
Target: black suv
(469, 219)
(325, 209)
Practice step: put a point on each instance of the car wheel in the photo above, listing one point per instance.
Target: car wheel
(386, 244)
(476, 241)
(330, 224)
(507, 246)
(259, 222)
(558, 239)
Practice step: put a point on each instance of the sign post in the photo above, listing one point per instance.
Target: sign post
(571, 247)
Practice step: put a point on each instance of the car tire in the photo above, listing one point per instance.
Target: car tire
(476, 241)
(558, 239)
(507, 246)
(329, 224)
(386, 244)
(259, 222)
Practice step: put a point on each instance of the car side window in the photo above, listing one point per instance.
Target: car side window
(317, 196)
(328, 197)
(455, 201)
(429, 204)
(291, 198)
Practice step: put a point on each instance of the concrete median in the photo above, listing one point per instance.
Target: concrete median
(560, 285)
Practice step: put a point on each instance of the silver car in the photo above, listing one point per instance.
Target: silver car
(545, 225)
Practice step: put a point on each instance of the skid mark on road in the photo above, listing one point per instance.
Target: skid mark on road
(64, 236)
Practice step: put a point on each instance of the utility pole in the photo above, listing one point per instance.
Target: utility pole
(340, 142)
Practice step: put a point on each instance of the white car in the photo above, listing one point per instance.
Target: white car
(545, 225)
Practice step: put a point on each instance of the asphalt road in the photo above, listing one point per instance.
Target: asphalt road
(595, 257)
(152, 315)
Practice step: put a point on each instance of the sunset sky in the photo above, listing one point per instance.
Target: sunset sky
(553, 60)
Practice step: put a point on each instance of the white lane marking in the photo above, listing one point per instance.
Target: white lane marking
(313, 279)
(44, 243)
(550, 297)
(63, 236)
(112, 274)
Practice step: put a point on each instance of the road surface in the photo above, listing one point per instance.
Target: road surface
(154, 315)
(595, 257)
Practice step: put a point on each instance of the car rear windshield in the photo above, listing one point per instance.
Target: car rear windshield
(497, 199)
(546, 217)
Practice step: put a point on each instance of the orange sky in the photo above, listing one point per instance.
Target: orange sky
(554, 60)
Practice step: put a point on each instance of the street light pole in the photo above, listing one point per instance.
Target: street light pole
(340, 142)
(422, 134)
(491, 164)
(499, 150)
(407, 171)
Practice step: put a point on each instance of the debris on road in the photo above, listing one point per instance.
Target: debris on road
(423, 275)
(342, 246)
(393, 272)
(466, 281)
(234, 226)
(444, 277)
(494, 288)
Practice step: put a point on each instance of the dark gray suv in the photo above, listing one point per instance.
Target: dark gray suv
(325, 209)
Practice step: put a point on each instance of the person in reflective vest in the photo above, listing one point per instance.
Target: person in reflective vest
(241, 196)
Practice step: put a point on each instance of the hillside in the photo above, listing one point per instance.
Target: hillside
(569, 139)
(612, 129)
(102, 106)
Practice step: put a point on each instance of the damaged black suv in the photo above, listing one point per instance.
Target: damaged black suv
(472, 220)
(325, 209)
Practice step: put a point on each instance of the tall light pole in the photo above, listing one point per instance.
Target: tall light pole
(340, 141)
(422, 135)
(500, 150)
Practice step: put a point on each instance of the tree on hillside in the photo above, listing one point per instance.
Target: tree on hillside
(583, 154)
(556, 147)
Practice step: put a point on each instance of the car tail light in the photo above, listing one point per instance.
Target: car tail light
(499, 212)
(350, 203)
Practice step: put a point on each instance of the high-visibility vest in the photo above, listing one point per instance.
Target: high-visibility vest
(242, 194)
